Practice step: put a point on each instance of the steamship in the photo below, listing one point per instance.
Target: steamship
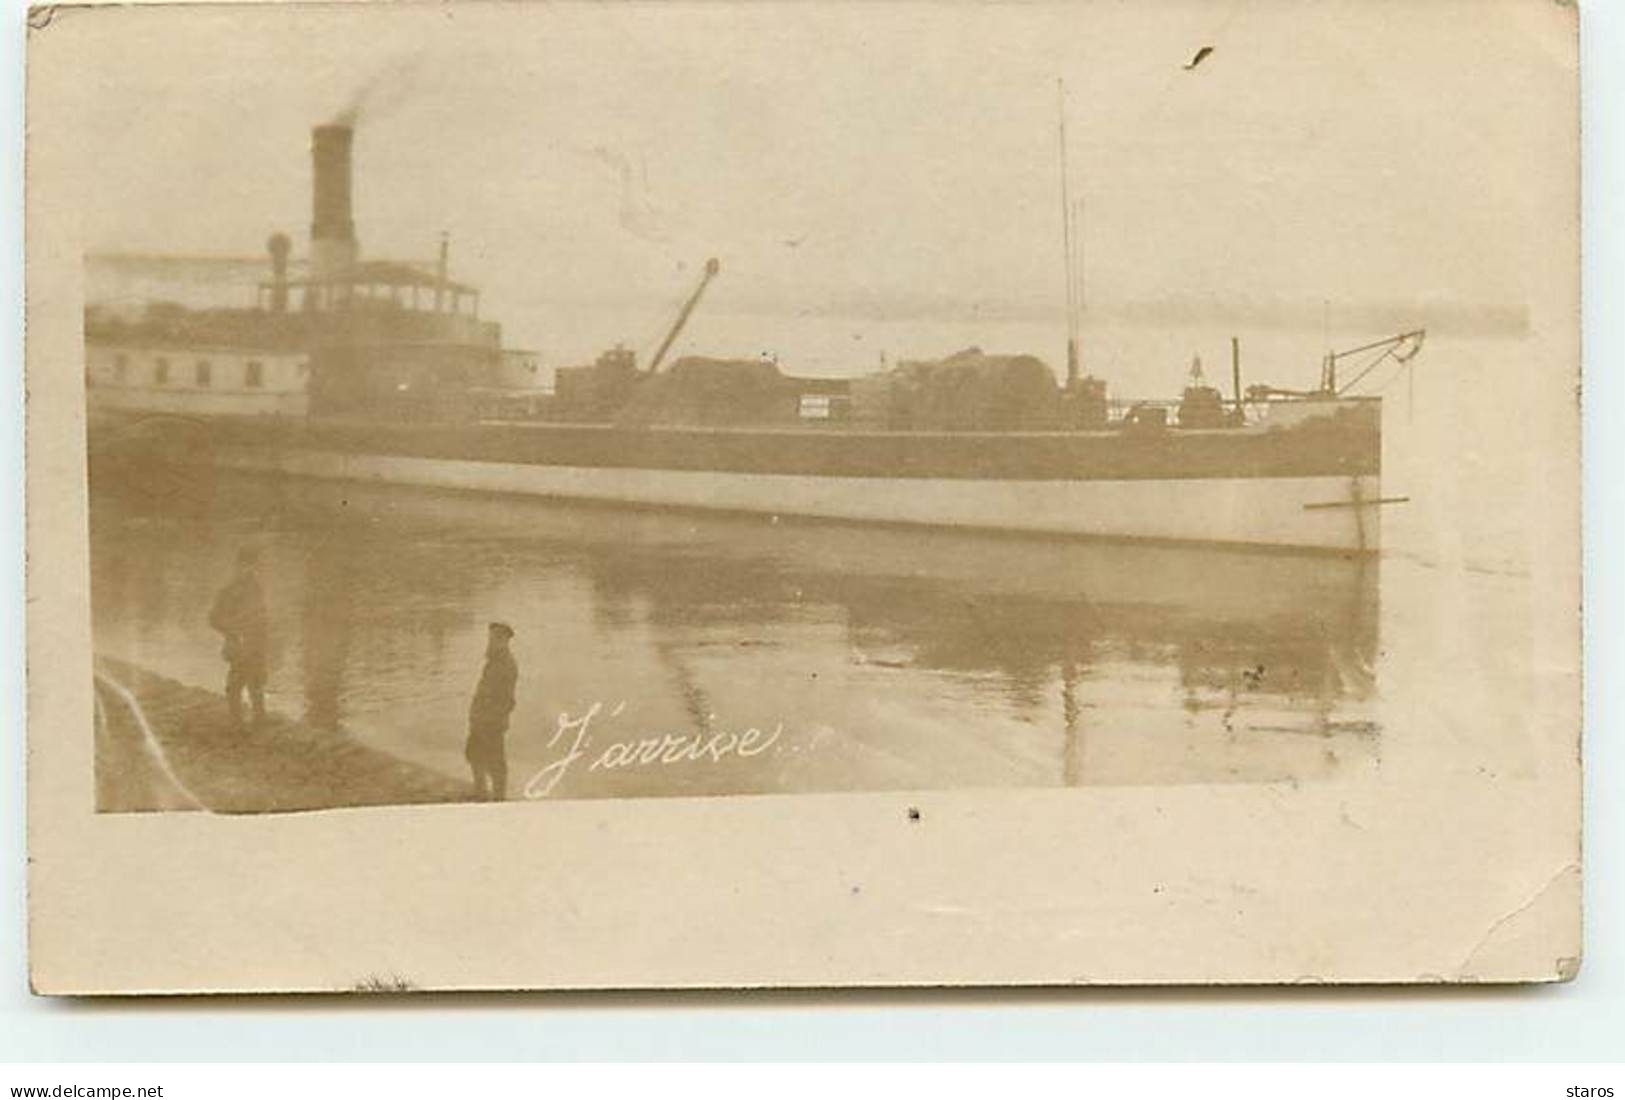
(384, 371)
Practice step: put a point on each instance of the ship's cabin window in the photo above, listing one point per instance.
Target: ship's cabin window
(204, 372)
(160, 372)
(120, 364)
(254, 374)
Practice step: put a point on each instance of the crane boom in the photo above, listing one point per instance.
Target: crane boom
(711, 269)
(1403, 347)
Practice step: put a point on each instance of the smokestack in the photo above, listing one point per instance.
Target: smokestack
(1235, 372)
(279, 246)
(440, 273)
(332, 229)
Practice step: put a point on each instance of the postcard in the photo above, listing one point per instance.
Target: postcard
(549, 496)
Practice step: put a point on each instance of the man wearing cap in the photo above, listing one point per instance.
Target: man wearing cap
(239, 615)
(487, 751)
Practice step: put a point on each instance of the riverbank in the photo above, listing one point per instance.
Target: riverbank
(164, 745)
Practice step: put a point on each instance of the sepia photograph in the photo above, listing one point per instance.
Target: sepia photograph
(1133, 449)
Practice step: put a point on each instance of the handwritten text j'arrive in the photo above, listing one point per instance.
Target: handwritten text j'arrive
(655, 750)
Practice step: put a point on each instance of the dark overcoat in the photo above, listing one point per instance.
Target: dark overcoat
(239, 614)
(493, 702)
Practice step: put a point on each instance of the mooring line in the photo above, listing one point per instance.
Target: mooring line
(154, 750)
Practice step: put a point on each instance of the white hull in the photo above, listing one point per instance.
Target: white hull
(1251, 511)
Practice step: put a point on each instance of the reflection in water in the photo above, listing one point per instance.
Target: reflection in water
(891, 658)
(325, 626)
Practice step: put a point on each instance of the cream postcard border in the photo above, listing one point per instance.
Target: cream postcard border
(1115, 885)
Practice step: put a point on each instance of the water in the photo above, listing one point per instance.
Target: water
(867, 658)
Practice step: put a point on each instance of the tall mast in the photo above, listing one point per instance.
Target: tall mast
(1072, 288)
(1078, 263)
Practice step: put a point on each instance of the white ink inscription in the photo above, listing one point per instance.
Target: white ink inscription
(655, 750)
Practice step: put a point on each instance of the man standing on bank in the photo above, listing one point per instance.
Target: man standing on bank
(239, 615)
(487, 750)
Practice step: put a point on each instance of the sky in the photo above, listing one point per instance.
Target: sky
(887, 161)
